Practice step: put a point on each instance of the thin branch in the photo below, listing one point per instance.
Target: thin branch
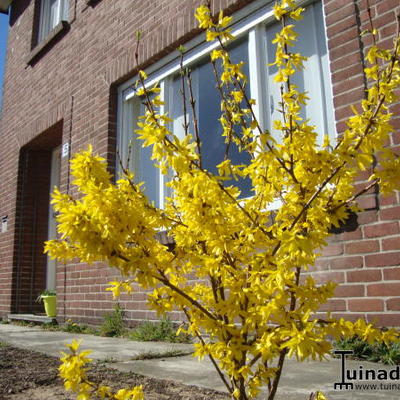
(163, 279)
(183, 92)
(223, 99)
(195, 120)
(360, 193)
(216, 366)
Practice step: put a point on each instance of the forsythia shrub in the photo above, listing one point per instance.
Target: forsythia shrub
(73, 371)
(249, 307)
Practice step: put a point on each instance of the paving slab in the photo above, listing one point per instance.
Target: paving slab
(103, 348)
(298, 379)
(297, 383)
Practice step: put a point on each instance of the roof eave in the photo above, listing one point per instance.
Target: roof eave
(4, 4)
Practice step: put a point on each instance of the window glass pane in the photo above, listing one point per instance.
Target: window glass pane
(54, 13)
(141, 163)
(208, 113)
(314, 79)
(64, 10)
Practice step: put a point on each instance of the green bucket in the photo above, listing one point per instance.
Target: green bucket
(50, 305)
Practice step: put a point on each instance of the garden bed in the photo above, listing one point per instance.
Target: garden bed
(26, 374)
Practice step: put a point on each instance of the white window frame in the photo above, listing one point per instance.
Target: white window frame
(251, 21)
(45, 23)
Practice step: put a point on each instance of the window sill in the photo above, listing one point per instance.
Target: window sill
(44, 45)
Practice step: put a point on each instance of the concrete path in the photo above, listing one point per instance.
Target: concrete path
(298, 380)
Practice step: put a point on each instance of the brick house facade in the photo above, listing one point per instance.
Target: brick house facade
(62, 91)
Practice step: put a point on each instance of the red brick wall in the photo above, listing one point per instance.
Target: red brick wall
(365, 262)
(74, 85)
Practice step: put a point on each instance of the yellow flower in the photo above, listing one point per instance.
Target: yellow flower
(203, 15)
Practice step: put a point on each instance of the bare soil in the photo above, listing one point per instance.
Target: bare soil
(26, 375)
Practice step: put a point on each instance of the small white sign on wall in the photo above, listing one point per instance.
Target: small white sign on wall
(65, 150)
(4, 224)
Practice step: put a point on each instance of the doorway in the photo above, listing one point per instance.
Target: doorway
(38, 173)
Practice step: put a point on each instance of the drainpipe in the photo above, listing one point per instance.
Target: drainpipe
(365, 80)
(68, 189)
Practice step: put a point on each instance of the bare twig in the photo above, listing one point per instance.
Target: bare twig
(183, 93)
(192, 101)
(216, 366)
